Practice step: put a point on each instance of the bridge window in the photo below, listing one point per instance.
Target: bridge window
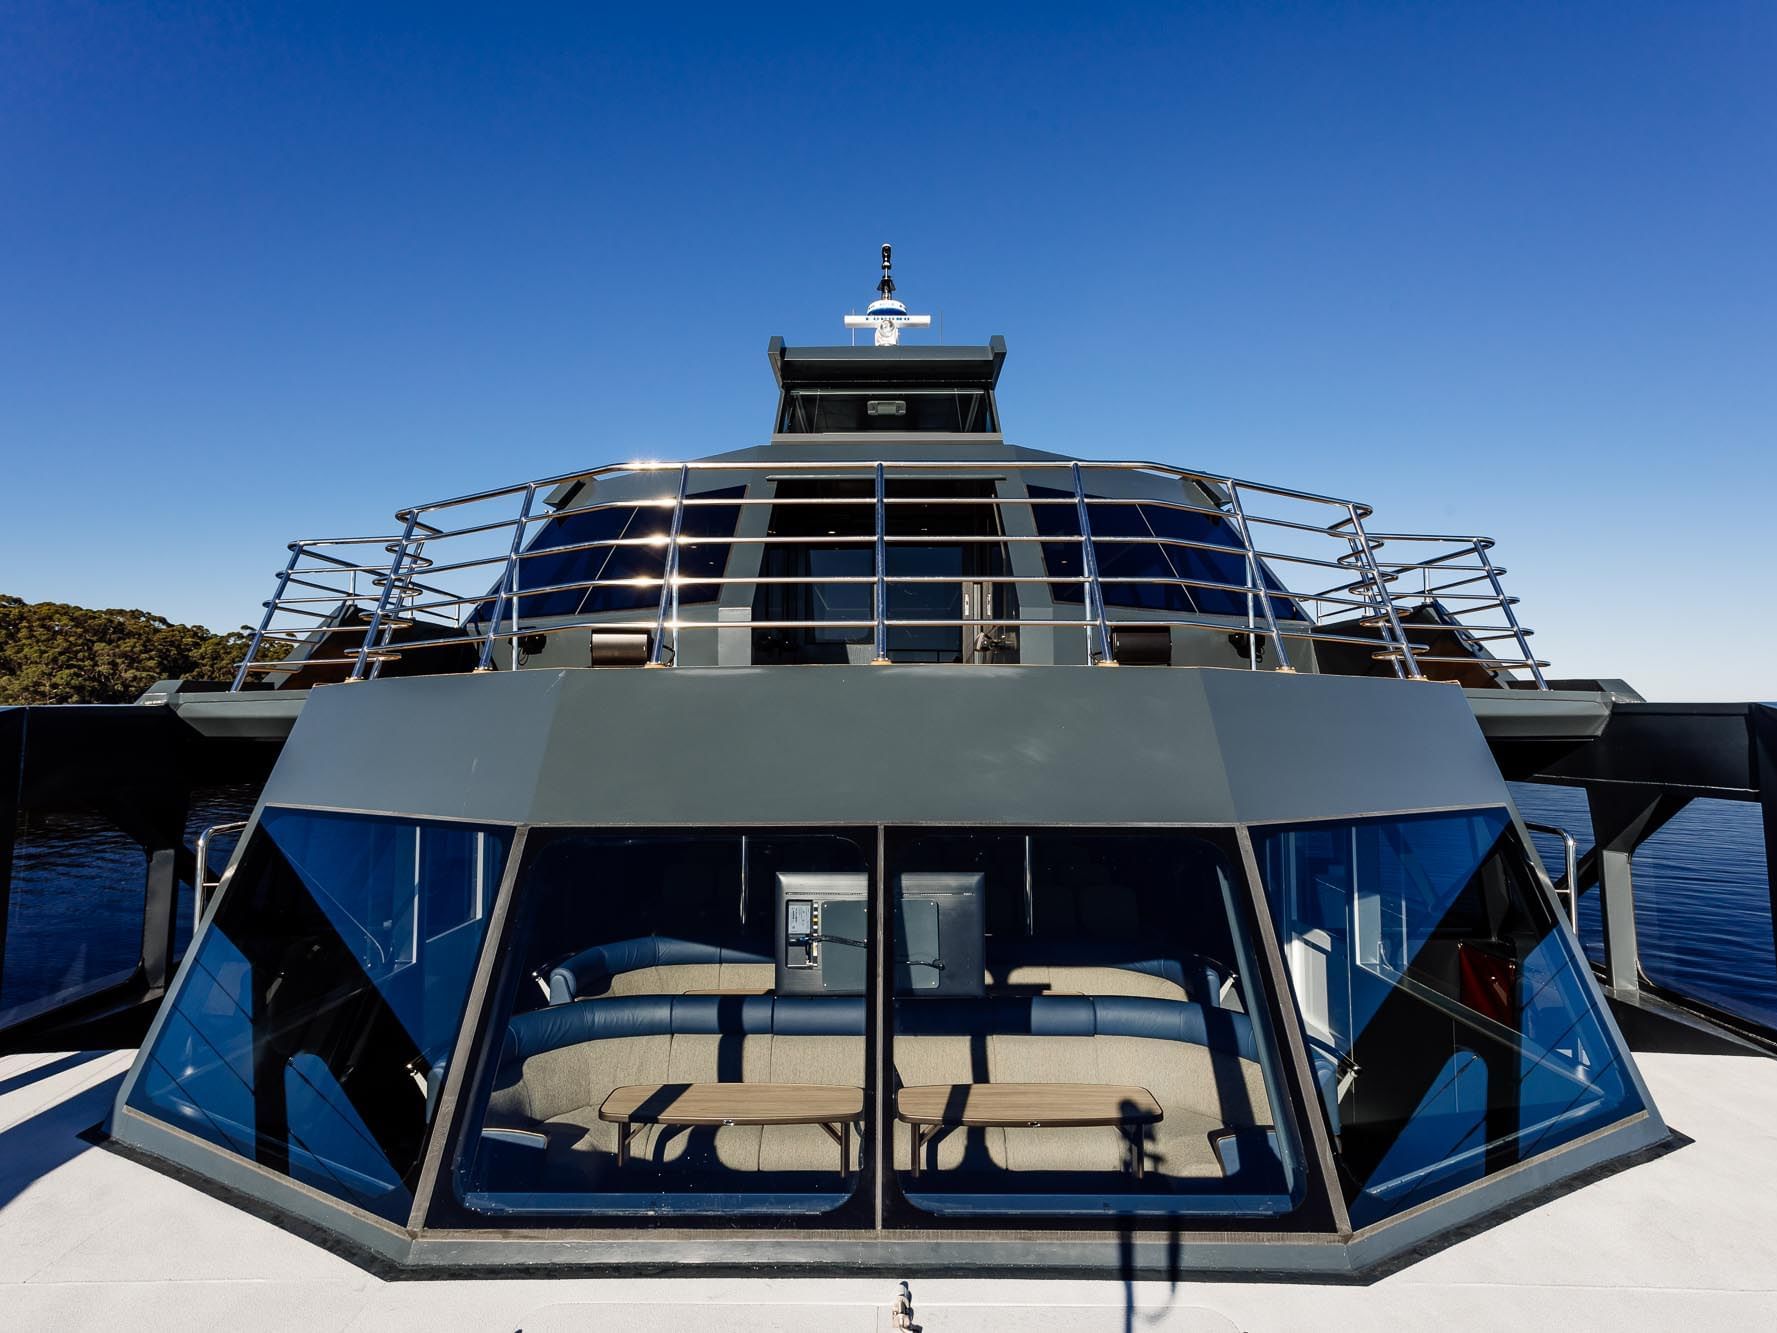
(895, 410)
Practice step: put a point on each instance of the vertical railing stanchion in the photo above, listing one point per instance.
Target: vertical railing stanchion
(382, 603)
(669, 582)
(1103, 654)
(882, 654)
(1254, 580)
(1505, 604)
(508, 580)
(271, 609)
(1367, 555)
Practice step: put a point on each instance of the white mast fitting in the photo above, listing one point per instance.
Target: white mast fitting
(887, 315)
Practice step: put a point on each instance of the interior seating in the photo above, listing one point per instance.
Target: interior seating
(658, 965)
(1199, 1062)
(1092, 967)
(560, 1062)
(662, 965)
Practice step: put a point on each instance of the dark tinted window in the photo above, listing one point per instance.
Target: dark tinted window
(312, 1025)
(953, 411)
(564, 552)
(1453, 1026)
(1202, 561)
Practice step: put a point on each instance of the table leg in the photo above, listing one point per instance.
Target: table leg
(844, 1149)
(1138, 1138)
(624, 1129)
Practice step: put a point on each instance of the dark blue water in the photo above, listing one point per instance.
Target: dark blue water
(1702, 899)
(79, 890)
(1703, 908)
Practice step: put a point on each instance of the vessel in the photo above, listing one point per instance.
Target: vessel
(890, 848)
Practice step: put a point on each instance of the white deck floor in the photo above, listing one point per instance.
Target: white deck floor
(1687, 1242)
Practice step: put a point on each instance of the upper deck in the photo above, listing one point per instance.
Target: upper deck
(887, 521)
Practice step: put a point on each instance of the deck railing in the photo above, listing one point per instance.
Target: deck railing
(455, 573)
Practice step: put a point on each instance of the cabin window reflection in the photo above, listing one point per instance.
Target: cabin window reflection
(1168, 557)
(1450, 1024)
(1074, 1029)
(313, 1025)
(681, 1028)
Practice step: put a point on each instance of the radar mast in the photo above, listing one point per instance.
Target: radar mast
(885, 314)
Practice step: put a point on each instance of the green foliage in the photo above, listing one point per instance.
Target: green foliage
(52, 653)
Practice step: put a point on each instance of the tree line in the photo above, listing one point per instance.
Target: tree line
(53, 653)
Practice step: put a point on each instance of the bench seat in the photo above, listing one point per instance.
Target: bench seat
(560, 1062)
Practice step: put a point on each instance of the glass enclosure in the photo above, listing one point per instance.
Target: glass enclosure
(1054, 1024)
(651, 1054)
(682, 1027)
(312, 1027)
(1074, 1029)
(1451, 1024)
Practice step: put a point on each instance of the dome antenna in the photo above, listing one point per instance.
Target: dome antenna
(885, 314)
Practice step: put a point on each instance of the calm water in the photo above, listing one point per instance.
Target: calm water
(1702, 901)
(78, 888)
(1703, 909)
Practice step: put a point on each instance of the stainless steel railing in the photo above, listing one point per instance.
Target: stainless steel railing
(455, 573)
(1568, 886)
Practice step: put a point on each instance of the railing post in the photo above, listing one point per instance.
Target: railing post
(669, 585)
(1104, 654)
(507, 582)
(1368, 556)
(882, 654)
(382, 602)
(271, 609)
(1505, 604)
(1570, 879)
(1254, 581)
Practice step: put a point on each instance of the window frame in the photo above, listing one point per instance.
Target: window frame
(878, 1206)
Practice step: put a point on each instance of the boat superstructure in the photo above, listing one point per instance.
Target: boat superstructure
(889, 846)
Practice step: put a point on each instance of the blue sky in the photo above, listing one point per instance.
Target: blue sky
(272, 270)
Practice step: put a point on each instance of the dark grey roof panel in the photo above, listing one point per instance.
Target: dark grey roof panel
(909, 744)
(923, 364)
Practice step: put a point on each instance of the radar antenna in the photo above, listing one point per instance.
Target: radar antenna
(885, 314)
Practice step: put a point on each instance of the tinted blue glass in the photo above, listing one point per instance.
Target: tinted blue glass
(1454, 1028)
(546, 565)
(1156, 561)
(311, 1025)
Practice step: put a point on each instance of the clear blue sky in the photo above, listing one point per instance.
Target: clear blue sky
(273, 270)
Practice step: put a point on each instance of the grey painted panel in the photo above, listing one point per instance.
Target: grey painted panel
(969, 744)
(446, 746)
(1311, 747)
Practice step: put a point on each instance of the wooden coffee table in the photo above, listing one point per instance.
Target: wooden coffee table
(931, 1107)
(832, 1107)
